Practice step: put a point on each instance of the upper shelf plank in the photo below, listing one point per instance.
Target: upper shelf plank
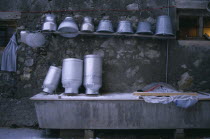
(10, 15)
(118, 34)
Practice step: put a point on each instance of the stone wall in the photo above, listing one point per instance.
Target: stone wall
(129, 62)
(189, 67)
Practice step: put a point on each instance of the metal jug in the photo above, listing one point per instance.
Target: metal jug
(72, 72)
(52, 79)
(144, 28)
(23, 35)
(164, 26)
(125, 27)
(68, 28)
(50, 23)
(92, 74)
(87, 25)
(105, 26)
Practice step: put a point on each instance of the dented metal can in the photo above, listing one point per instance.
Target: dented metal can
(52, 79)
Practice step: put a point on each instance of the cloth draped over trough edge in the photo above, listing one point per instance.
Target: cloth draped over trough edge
(9, 55)
(183, 101)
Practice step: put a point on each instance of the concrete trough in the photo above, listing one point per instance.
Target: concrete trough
(116, 111)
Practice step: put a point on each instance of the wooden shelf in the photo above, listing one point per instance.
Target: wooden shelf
(118, 34)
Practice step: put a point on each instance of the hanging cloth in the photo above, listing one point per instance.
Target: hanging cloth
(9, 55)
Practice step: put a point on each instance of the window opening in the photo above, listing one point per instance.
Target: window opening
(188, 27)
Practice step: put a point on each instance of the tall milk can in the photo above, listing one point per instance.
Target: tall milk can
(72, 73)
(92, 74)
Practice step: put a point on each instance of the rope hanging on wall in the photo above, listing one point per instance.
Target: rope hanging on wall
(88, 10)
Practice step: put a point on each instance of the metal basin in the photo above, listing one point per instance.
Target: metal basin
(105, 26)
(125, 27)
(68, 28)
(144, 28)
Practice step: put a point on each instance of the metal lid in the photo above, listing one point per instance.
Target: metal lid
(72, 59)
(93, 56)
(54, 67)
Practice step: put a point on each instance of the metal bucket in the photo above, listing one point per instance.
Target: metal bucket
(144, 28)
(68, 28)
(72, 72)
(50, 23)
(87, 25)
(92, 74)
(164, 26)
(125, 27)
(52, 79)
(105, 26)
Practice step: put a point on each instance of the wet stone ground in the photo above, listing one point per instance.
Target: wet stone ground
(29, 133)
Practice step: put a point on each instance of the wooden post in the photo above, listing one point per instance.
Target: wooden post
(200, 30)
(179, 134)
(89, 134)
(68, 133)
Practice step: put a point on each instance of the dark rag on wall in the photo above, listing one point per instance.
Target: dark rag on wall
(9, 55)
